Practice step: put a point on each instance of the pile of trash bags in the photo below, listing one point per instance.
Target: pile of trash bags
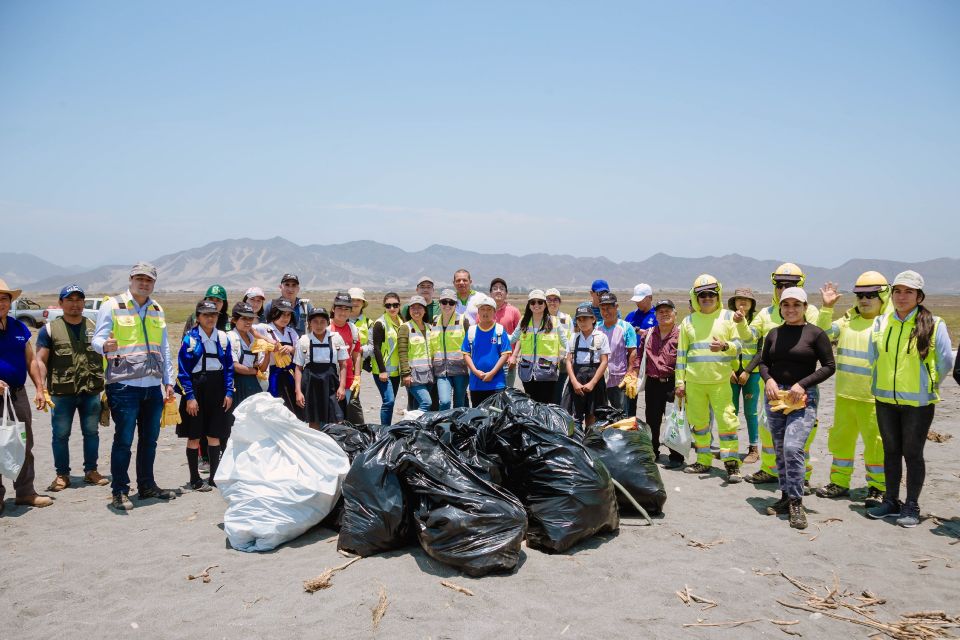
(470, 485)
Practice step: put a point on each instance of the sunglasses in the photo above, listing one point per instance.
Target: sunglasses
(707, 294)
(868, 296)
(783, 285)
(448, 303)
(392, 305)
(537, 303)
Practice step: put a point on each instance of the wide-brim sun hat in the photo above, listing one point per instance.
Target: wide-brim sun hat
(13, 293)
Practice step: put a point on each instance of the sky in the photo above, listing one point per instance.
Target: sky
(810, 131)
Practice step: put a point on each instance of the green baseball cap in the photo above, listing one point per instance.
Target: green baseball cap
(216, 291)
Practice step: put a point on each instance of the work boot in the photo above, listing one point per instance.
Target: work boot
(59, 483)
(121, 502)
(874, 497)
(156, 492)
(733, 472)
(761, 477)
(779, 507)
(798, 517)
(753, 455)
(35, 500)
(696, 467)
(832, 490)
(93, 477)
(909, 515)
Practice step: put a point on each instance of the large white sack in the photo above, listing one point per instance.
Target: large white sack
(279, 476)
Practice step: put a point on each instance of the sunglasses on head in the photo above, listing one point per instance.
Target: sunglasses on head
(392, 305)
(868, 296)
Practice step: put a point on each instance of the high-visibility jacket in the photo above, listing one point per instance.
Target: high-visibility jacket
(445, 342)
(418, 354)
(899, 375)
(769, 318)
(73, 366)
(391, 357)
(695, 361)
(138, 341)
(540, 355)
(852, 334)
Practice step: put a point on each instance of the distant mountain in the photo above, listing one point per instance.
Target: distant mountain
(240, 263)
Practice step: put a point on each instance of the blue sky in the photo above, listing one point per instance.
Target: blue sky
(813, 131)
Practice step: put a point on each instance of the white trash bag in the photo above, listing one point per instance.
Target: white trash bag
(278, 476)
(677, 434)
(13, 440)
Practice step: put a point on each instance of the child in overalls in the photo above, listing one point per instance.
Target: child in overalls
(320, 375)
(206, 378)
(587, 354)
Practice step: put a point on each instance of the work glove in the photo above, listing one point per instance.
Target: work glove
(262, 346)
(355, 385)
(783, 404)
(171, 414)
(263, 375)
(627, 424)
(366, 351)
(49, 403)
(281, 360)
(630, 385)
(104, 410)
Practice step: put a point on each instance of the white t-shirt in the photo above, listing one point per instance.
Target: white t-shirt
(209, 346)
(323, 350)
(237, 345)
(596, 341)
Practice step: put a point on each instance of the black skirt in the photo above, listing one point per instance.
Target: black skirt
(582, 406)
(211, 419)
(244, 387)
(318, 384)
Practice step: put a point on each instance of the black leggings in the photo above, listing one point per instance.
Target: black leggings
(656, 395)
(904, 433)
(540, 391)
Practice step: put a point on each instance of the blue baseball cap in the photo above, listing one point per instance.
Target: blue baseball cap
(70, 289)
(599, 285)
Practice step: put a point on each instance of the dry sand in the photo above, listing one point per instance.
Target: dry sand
(78, 570)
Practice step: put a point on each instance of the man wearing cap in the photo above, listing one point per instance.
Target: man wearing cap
(622, 339)
(131, 334)
(425, 288)
(16, 360)
(661, 349)
(290, 291)
(467, 296)
(342, 308)
(73, 375)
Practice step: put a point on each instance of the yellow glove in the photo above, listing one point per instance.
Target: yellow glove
(104, 410)
(171, 414)
(281, 360)
(630, 385)
(355, 385)
(627, 424)
(262, 346)
(263, 375)
(49, 403)
(783, 404)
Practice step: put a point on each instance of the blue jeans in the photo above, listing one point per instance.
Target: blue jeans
(790, 433)
(452, 391)
(61, 420)
(388, 396)
(134, 409)
(751, 404)
(421, 394)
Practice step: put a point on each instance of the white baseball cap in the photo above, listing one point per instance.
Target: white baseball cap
(910, 279)
(537, 294)
(553, 292)
(485, 300)
(793, 293)
(641, 291)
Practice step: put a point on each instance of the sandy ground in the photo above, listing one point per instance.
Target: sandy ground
(78, 570)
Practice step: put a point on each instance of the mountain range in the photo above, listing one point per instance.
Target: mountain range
(240, 263)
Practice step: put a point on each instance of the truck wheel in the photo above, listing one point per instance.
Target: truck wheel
(27, 320)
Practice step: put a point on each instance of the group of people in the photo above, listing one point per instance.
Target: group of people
(462, 346)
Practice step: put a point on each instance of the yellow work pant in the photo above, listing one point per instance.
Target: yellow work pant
(852, 418)
(700, 399)
(768, 457)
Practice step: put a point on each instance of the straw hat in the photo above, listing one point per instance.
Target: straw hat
(14, 293)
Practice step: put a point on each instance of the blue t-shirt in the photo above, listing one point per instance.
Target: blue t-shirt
(13, 349)
(485, 351)
(641, 320)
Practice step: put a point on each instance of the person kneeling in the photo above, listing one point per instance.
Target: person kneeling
(321, 371)
(206, 379)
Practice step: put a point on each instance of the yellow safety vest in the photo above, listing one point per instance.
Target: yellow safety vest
(899, 375)
(539, 355)
(418, 353)
(138, 341)
(391, 357)
(445, 343)
(854, 374)
(695, 361)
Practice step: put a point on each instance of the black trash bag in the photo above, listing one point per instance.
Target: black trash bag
(458, 429)
(569, 497)
(606, 415)
(353, 439)
(518, 403)
(462, 520)
(376, 507)
(629, 457)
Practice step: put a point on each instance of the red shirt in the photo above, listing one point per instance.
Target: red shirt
(661, 352)
(508, 316)
(346, 333)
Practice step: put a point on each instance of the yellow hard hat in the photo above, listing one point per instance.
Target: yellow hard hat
(870, 281)
(788, 272)
(705, 282)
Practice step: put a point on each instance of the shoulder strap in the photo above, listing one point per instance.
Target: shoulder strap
(222, 339)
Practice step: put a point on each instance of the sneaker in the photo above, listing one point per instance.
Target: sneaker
(696, 467)
(733, 472)
(199, 485)
(204, 465)
(35, 500)
(753, 455)
(874, 497)
(832, 490)
(807, 488)
(156, 492)
(779, 507)
(672, 464)
(59, 483)
(761, 477)
(886, 509)
(93, 477)
(798, 517)
(909, 515)
(121, 502)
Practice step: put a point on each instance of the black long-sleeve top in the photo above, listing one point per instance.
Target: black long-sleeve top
(791, 352)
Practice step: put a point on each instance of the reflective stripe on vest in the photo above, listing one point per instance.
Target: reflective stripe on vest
(899, 376)
(539, 355)
(388, 350)
(445, 343)
(854, 374)
(138, 341)
(696, 360)
(418, 353)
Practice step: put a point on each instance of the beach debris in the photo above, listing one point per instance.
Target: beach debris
(203, 575)
(688, 598)
(725, 625)
(456, 587)
(325, 579)
(936, 436)
(923, 563)
(380, 609)
(696, 544)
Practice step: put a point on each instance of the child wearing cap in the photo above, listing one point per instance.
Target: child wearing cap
(342, 308)
(206, 380)
(279, 331)
(449, 367)
(217, 295)
(587, 355)
(486, 348)
(538, 348)
(255, 297)
(246, 364)
(320, 375)
(564, 322)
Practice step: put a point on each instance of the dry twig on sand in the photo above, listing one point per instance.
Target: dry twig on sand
(936, 436)
(324, 580)
(456, 587)
(696, 544)
(380, 609)
(686, 597)
(204, 575)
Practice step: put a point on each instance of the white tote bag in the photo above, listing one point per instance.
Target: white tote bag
(643, 365)
(13, 440)
(677, 435)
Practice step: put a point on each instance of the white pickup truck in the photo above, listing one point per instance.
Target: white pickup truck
(90, 310)
(28, 312)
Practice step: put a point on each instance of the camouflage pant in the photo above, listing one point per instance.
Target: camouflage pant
(790, 434)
